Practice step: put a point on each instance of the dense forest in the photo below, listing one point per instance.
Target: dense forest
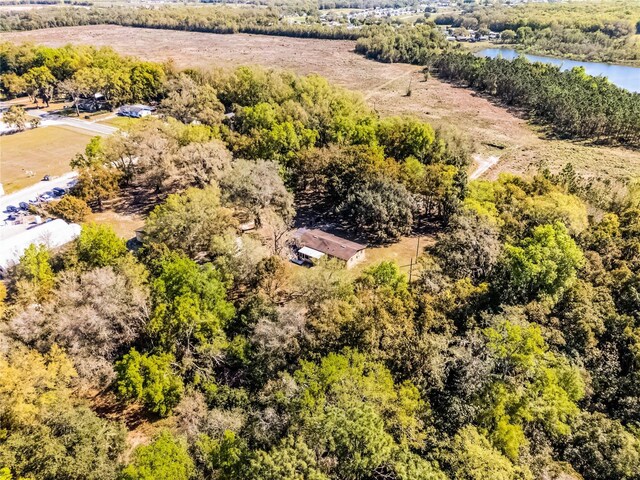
(514, 354)
(590, 30)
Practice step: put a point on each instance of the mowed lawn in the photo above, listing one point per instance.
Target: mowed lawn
(44, 151)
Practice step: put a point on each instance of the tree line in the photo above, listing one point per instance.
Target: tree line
(212, 19)
(573, 104)
(590, 30)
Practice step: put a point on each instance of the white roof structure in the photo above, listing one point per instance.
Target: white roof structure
(52, 234)
(310, 252)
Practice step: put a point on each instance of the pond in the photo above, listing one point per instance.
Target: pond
(620, 75)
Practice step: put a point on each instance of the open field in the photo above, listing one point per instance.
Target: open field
(402, 252)
(45, 151)
(496, 131)
(125, 225)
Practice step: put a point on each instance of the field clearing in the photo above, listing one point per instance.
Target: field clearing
(495, 130)
(403, 252)
(45, 151)
(118, 122)
(125, 225)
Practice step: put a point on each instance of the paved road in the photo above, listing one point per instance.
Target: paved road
(34, 191)
(53, 119)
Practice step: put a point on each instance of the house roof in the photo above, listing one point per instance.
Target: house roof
(328, 244)
(310, 252)
(52, 234)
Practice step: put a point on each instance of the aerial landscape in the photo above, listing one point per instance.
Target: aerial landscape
(320, 240)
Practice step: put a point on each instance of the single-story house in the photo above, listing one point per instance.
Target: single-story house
(314, 244)
(135, 111)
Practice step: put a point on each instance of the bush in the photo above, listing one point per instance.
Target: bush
(70, 209)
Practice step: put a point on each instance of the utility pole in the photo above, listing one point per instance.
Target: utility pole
(410, 268)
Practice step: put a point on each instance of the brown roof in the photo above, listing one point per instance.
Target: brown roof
(328, 244)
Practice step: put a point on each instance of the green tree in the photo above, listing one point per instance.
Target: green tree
(224, 458)
(383, 209)
(40, 82)
(13, 84)
(70, 208)
(544, 264)
(99, 246)
(34, 276)
(97, 183)
(472, 457)
(404, 137)
(291, 460)
(150, 380)
(193, 222)
(166, 458)
(190, 101)
(508, 36)
(531, 388)
(190, 308)
(355, 437)
(258, 187)
(603, 449)
(350, 378)
(48, 432)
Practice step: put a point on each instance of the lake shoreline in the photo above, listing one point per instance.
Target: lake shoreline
(624, 76)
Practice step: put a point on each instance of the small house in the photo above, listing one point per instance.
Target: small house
(135, 111)
(312, 245)
(92, 103)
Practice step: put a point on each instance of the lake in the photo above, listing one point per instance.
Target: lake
(620, 75)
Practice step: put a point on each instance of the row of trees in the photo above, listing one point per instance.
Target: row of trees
(212, 19)
(573, 103)
(77, 72)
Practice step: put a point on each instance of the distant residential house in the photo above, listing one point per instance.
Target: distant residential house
(135, 111)
(312, 245)
(92, 103)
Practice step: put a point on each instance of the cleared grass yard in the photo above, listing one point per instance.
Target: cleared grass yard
(401, 252)
(45, 151)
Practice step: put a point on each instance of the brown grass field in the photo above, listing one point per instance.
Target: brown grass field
(522, 148)
(44, 150)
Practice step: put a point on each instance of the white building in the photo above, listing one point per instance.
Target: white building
(16, 239)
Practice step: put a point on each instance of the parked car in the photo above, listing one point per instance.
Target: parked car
(58, 192)
(11, 209)
(46, 178)
(24, 205)
(45, 196)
